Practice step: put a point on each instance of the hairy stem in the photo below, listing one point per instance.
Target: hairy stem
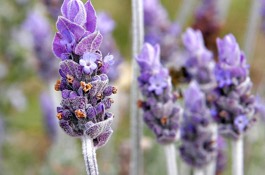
(136, 121)
(89, 153)
(238, 157)
(171, 159)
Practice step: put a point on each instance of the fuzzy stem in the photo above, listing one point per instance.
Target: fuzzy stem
(136, 121)
(238, 157)
(89, 153)
(198, 171)
(171, 159)
(252, 27)
(185, 11)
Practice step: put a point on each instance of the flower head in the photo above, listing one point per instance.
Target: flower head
(160, 111)
(84, 84)
(198, 147)
(234, 106)
(199, 62)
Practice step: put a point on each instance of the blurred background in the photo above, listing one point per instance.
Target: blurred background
(30, 142)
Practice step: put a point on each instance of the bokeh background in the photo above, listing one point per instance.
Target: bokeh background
(26, 146)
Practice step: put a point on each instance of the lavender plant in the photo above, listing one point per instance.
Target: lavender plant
(198, 147)
(84, 83)
(161, 114)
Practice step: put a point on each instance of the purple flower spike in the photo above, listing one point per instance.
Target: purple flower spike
(84, 85)
(234, 107)
(161, 114)
(198, 147)
(199, 62)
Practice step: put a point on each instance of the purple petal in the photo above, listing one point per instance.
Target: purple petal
(91, 19)
(75, 11)
(103, 138)
(89, 43)
(66, 28)
(58, 49)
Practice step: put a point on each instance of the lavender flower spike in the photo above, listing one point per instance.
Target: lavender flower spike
(84, 85)
(198, 146)
(160, 112)
(234, 107)
(199, 62)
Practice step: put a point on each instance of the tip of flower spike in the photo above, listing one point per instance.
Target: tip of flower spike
(57, 85)
(86, 86)
(80, 114)
(59, 116)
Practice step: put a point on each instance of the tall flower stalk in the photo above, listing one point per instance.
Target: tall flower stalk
(198, 148)
(160, 112)
(234, 105)
(136, 167)
(83, 112)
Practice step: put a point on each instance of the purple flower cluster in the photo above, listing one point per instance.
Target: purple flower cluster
(198, 147)
(106, 26)
(234, 106)
(160, 111)
(160, 30)
(84, 84)
(40, 29)
(199, 62)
